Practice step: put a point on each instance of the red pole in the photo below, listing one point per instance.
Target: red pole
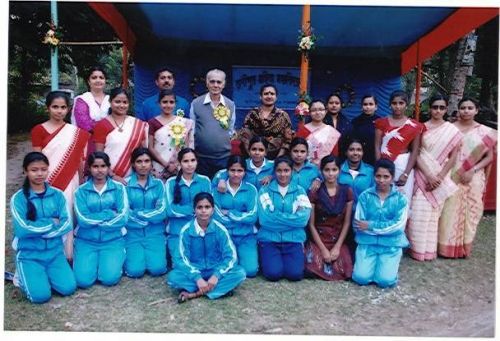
(304, 64)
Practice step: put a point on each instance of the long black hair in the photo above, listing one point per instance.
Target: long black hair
(28, 159)
(177, 187)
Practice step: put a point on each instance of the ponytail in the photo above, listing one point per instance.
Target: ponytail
(177, 188)
(31, 214)
(29, 158)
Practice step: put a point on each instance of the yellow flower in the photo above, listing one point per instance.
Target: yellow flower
(222, 114)
(177, 130)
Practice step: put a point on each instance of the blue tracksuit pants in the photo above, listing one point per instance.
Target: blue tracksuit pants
(246, 248)
(282, 260)
(379, 264)
(230, 280)
(98, 261)
(146, 250)
(173, 249)
(41, 271)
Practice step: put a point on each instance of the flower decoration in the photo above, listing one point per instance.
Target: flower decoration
(302, 109)
(179, 113)
(347, 89)
(53, 36)
(222, 114)
(306, 41)
(177, 130)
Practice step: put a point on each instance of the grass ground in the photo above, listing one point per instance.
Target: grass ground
(439, 298)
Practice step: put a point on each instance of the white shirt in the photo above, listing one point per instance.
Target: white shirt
(199, 231)
(282, 190)
(231, 190)
(256, 169)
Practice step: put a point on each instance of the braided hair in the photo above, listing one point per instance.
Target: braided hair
(177, 187)
(28, 159)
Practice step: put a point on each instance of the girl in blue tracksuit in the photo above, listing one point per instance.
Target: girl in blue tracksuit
(180, 192)
(304, 173)
(145, 240)
(379, 224)
(236, 209)
(284, 211)
(354, 172)
(40, 217)
(209, 262)
(101, 210)
(259, 170)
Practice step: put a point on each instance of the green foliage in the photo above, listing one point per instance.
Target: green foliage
(29, 58)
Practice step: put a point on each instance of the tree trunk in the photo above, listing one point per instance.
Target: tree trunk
(463, 67)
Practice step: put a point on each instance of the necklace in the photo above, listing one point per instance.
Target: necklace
(119, 126)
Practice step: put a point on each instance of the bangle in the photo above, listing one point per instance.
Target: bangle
(405, 174)
(475, 169)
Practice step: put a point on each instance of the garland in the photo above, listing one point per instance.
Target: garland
(349, 90)
(194, 84)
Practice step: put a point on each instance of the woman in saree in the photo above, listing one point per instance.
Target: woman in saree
(270, 122)
(438, 153)
(119, 134)
(464, 209)
(397, 138)
(322, 138)
(327, 254)
(93, 105)
(65, 146)
(168, 134)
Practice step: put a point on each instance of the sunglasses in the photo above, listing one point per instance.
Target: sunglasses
(440, 107)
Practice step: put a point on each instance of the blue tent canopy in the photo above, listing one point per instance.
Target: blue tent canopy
(358, 50)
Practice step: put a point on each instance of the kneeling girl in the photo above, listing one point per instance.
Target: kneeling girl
(101, 210)
(379, 223)
(284, 210)
(41, 218)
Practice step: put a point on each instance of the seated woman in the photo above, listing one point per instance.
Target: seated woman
(379, 224)
(101, 210)
(236, 209)
(304, 173)
(323, 139)
(259, 170)
(40, 218)
(145, 241)
(327, 256)
(284, 211)
(180, 191)
(208, 256)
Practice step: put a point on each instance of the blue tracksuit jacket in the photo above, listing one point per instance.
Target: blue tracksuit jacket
(181, 213)
(283, 219)
(101, 217)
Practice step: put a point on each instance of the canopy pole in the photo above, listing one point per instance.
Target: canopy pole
(304, 64)
(418, 83)
(124, 66)
(54, 67)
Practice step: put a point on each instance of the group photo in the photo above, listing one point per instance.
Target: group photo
(294, 169)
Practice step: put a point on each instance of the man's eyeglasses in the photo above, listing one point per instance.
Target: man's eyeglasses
(215, 81)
